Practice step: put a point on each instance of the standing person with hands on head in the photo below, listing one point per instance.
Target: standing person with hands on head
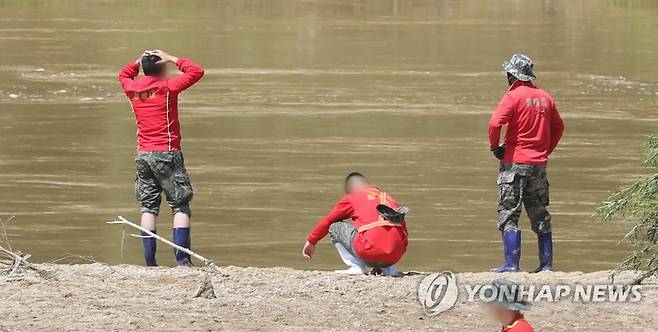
(534, 129)
(159, 161)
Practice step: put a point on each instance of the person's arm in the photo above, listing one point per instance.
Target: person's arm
(557, 129)
(500, 117)
(192, 72)
(341, 211)
(128, 73)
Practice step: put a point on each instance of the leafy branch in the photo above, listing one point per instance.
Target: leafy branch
(638, 201)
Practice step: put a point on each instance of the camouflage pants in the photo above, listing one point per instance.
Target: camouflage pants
(523, 185)
(344, 232)
(158, 172)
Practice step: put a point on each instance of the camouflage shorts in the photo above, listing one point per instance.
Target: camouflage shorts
(158, 172)
(523, 185)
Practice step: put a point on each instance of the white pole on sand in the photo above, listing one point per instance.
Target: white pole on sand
(121, 220)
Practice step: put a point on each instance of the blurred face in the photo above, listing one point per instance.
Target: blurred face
(152, 68)
(501, 315)
(511, 79)
(355, 184)
(164, 71)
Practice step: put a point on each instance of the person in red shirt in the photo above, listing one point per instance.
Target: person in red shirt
(534, 129)
(159, 161)
(375, 237)
(506, 305)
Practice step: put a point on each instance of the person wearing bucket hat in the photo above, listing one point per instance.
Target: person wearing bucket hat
(505, 305)
(534, 129)
(520, 67)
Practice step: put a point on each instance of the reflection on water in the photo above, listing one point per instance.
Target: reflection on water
(299, 93)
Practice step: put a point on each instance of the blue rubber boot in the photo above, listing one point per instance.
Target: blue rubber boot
(545, 244)
(150, 247)
(182, 238)
(512, 251)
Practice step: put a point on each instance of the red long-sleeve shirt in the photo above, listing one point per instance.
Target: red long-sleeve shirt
(155, 104)
(383, 244)
(534, 125)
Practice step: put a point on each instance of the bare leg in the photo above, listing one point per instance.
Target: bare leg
(148, 221)
(181, 220)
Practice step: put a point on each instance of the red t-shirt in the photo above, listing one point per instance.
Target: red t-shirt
(534, 125)
(518, 325)
(382, 244)
(155, 104)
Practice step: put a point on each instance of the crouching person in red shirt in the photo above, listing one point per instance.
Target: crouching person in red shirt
(376, 236)
(159, 160)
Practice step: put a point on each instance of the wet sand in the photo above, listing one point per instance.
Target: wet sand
(125, 298)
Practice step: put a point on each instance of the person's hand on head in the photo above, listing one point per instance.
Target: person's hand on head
(139, 60)
(166, 57)
(309, 250)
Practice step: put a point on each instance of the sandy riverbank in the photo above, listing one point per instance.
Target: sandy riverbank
(121, 298)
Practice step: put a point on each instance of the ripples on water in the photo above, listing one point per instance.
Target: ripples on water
(291, 102)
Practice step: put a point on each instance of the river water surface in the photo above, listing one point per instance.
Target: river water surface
(299, 93)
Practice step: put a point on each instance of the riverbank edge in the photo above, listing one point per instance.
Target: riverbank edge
(127, 297)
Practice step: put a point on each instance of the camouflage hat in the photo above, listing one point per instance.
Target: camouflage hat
(506, 294)
(520, 66)
(394, 215)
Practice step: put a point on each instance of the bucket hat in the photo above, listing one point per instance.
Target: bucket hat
(505, 293)
(520, 66)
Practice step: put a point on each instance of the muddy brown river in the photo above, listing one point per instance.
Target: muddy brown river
(299, 93)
